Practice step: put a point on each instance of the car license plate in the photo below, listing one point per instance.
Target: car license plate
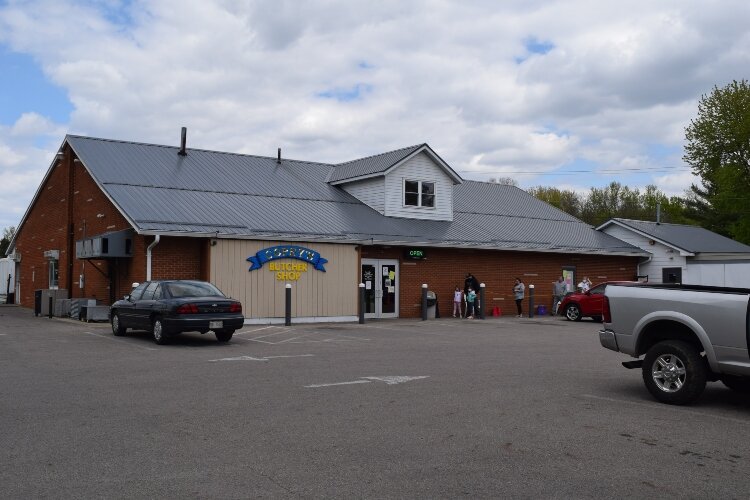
(215, 324)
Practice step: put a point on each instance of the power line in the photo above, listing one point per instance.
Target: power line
(586, 171)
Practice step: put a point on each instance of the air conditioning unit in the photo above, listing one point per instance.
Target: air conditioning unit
(52, 254)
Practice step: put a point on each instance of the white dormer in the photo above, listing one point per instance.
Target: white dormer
(412, 183)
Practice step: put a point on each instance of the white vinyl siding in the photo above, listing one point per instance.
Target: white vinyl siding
(662, 255)
(371, 192)
(419, 168)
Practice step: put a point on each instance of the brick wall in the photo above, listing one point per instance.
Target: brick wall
(444, 269)
(70, 207)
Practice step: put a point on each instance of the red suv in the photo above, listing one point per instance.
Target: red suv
(576, 305)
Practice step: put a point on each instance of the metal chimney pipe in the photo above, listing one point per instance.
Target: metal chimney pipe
(183, 142)
(658, 213)
(278, 157)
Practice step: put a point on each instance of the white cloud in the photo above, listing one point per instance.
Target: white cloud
(620, 81)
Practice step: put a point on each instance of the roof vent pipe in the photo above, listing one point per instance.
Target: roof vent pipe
(278, 157)
(183, 142)
(658, 213)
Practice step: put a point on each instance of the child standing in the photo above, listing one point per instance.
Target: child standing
(470, 298)
(458, 297)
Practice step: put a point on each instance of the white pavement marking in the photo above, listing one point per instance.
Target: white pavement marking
(265, 358)
(341, 383)
(256, 330)
(396, 379)
(389, 380)
(124, 342)
(670, 408)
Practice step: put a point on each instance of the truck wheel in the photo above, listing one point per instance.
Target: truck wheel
(224, 335)
(573, 312)
(737, 383)
(157, 330)
(117, 329)
(674, 372)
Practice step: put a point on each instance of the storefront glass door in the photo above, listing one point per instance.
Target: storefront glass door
(381, 288)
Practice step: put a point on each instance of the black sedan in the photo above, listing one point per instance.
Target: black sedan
(169, 307)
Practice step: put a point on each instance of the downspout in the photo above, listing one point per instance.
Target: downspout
(148, 256)
(638, 267)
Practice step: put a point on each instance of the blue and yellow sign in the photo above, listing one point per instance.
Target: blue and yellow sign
(287, 271)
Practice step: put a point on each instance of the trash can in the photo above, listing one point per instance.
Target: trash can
(431, 304)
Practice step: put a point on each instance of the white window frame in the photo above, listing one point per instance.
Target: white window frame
(419, 194)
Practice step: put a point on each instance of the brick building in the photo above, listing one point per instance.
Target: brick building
(111, 213)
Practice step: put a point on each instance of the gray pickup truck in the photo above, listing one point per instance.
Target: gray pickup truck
(689, 335)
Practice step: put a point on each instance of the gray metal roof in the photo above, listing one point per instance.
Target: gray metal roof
(693, 239)
(370, 165)
(243, 196)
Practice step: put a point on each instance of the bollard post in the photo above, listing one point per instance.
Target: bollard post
(288, 312)
(361, 303)
(531, 301)
(482, 304)
(49, 314)
(424, 302)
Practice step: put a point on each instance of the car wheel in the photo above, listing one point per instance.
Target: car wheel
(117, 329)
(573, 312)
(224, 335)
(737, 383)
(157, 330)
(674, 372)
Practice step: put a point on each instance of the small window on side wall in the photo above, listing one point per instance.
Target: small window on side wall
(419, 194)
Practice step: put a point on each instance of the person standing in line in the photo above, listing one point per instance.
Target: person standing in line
(518, 293)
(558, 294)
(458, 297)
(585, 285)
(470, 298)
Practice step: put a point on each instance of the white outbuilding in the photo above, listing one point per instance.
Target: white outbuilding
(684, 254)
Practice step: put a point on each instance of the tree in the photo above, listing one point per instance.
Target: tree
(718, 150)
(505, 181)
(566, 200)
(616, 200)
(8, 233)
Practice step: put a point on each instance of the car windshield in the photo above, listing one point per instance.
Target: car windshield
(193, 289)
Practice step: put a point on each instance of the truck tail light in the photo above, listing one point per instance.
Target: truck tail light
(187, 309)
(606, 313)
(236, 307)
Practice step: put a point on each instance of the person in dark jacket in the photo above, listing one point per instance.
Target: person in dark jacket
(472, 283)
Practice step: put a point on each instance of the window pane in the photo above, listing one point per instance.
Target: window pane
(411, 199)
(428, 200)
(192, 289)
(428, 188)
(136, 294)
(411, 186)
(148, 294)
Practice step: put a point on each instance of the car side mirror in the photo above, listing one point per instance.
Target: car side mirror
(127, 297)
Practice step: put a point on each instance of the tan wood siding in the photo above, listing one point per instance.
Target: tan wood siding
(332, 293)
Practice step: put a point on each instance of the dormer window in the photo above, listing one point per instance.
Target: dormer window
(419, 194)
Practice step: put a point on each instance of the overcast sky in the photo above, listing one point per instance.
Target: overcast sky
(570, 94)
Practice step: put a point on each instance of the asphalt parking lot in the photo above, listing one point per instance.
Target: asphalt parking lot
(507, 407)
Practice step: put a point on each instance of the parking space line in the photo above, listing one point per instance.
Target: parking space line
(123, 342)
(669, 408)
(242, 332)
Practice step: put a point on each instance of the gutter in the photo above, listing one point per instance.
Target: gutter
(148, 256)
(638, 267)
